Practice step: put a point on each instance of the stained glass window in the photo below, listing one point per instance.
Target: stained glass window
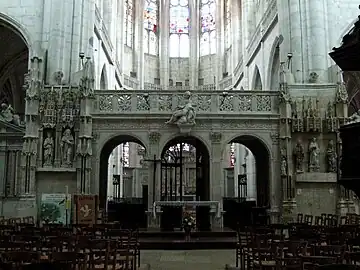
(232, 155)
(227, 24)
(151, 27)
(208, 27)
(129, 22)
(179, 45)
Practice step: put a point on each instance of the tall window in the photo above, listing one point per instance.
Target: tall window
(227, 24)
(129, 22)
(151, 27)
(208, 28)
(179, 45)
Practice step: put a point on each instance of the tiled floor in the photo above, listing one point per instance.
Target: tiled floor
(188, 259)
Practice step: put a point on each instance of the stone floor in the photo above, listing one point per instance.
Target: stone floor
(187, 259)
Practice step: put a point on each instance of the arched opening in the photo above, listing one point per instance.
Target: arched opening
(185, 177)
(123, 188)
(257, 84)
(247, 181)
(103, 79)
(14, 58)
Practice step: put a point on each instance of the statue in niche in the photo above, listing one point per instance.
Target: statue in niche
(313, 77)
(299, 157)
(67, 145)
(314, 156)
(7, 113)
(48, 149)
(283, 167)
(331, 157)
(354, 118)
(184, 114)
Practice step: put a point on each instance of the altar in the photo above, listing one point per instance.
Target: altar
(208, 214)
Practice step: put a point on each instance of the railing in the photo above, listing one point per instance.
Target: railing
(152, 86)
(131, 82)
(206, 102)
(226, 83)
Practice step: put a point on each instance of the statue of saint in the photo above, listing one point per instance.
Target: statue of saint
(314, 156)
(48, 149)
(354, 118)
(283, 167)
(331, 157)
(299, 157)
(67, 145)
(184, 114)
(7, 113)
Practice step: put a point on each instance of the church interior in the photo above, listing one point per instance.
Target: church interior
(176, 129)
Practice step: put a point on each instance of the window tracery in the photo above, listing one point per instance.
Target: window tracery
(151, 27)
(179, 43)
(208, 27)
(129, 22)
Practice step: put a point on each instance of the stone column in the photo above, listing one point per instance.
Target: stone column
(216, 176)
(3, 149)
(246, 23)
(194, 34)
(120, 35)
(27, 177)
(164, 42)
(153, 184)
(219, 41)
(138, 52)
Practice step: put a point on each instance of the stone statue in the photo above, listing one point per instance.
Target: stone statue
(313, 77)
(8, 115)
(284, 97)
(67, 145)
(341, 93)
(354, 118)
(283, 167)
(184, 114)
(88, 78)
(331, 157)
(48, 149)
(314, 156)
(299, 157)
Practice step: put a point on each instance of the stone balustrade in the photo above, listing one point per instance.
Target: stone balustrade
(206, 102)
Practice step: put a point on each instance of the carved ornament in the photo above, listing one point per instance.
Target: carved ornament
(154, 137)
(215, 137)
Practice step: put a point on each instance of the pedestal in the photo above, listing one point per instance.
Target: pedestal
(289, 211)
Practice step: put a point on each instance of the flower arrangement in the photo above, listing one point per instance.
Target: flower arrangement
(189, 221)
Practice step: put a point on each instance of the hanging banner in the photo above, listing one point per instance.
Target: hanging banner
(55, 208)
(85, 209)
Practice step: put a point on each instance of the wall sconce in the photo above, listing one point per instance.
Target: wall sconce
(289, 56)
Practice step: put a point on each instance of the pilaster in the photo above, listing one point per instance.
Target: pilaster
(120, 36)
(164, 42)
(138, 48)
(194, 34)
(219, 41)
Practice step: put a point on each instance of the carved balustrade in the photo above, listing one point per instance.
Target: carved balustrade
(206, 102)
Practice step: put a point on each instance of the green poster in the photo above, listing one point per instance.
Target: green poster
(55, 208)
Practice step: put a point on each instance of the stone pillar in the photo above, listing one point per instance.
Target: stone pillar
(27, 177)
(164, 43)
(84, 146)
(246, 15)
(216, 176)
(194, 34)
(219, 41)
(120, 36)
(153, 184)
(138, 50)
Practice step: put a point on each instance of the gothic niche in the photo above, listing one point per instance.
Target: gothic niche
(67, 144)
(314, 156)
(48, 147)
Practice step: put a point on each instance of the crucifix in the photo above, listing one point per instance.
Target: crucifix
(154, 162)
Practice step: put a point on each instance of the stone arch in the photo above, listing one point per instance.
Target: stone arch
(274, 66)
(257, 81)
(262, 154)
(104, 154)
(103, 79)
(14, 63)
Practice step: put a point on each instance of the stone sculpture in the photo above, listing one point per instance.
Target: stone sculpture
(184, 115)
(67, 146)
(314, 156)
(299, 157)
(331, 157)
(7, 114)
(354, 118)
(283, 167)
(48, 149)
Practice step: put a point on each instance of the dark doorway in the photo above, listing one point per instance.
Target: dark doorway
(117, 192)
(250, 171)
(185, 177)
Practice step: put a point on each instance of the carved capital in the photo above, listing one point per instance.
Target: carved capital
(154, 137)
(215, 137)
(275, 138)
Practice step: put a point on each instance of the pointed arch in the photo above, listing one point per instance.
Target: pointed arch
(274, 66)
(257, 81)
(103, 79)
